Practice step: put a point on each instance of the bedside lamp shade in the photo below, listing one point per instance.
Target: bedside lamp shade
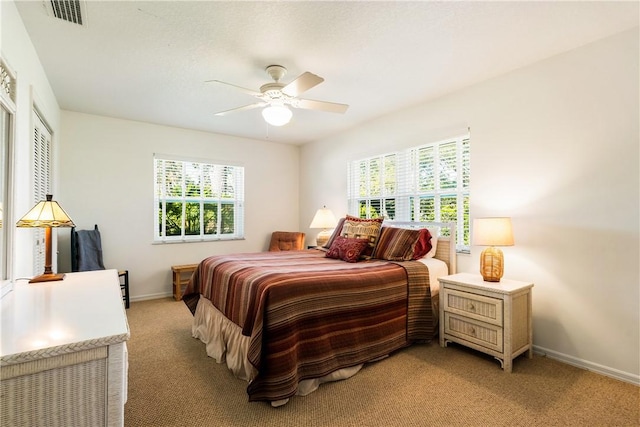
(324, 219)
(492, 232)
(46, 214)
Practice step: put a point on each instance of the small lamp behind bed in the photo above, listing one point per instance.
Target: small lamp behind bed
(492, 232)
(326, 220)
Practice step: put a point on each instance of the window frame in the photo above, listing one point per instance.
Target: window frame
(8, 96)
(161, 199)
(397, 194)
(8, 86)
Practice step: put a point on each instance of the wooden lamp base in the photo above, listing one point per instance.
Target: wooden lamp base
(48, 275)
(491, 264)
(47, 278)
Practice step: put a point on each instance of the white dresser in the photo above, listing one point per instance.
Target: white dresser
(63, 355)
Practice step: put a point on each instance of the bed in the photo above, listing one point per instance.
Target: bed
(288, 321)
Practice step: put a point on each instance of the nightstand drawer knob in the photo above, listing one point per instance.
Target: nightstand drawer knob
(473, 331)
(472, 307)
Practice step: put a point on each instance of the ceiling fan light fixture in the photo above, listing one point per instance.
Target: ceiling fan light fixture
(277, 115)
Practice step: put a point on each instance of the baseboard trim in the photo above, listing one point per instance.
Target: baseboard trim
(589, 366)
(151, 296)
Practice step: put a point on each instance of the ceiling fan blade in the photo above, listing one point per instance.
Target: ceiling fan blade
(243, 89)
(330, 107)
(303, 83)
(246, 107)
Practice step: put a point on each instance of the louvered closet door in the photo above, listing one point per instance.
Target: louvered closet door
(41, 182)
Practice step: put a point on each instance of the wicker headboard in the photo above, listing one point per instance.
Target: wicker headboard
(446, 247)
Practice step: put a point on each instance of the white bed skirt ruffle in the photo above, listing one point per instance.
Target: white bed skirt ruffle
(225, 343)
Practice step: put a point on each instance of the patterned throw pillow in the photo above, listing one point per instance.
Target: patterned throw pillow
(360, 228)
(398, 244)
(346, 249)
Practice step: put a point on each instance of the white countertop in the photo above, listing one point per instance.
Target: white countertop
(84, 310)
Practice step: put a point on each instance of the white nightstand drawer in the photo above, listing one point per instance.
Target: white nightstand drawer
(484, 334)
(477, 307)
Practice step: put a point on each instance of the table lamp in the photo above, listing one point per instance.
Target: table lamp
(492, 232)
(46, 214)
(324, 219)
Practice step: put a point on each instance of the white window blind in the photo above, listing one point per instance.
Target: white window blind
(196, 200)
(425, 183)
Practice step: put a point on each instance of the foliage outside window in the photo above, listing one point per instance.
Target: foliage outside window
(425, 183)
(196, 201)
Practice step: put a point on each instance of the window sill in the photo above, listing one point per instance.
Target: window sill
(164, 242)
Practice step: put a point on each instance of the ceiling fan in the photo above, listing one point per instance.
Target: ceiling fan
(277, 96)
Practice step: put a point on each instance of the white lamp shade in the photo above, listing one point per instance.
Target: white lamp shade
(277, 115)
(324, 218)
(492, 232)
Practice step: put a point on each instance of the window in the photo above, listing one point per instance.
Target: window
(425, 183)
(5, 126)
(7, 114)
(196, 201)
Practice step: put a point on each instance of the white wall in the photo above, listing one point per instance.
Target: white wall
(555, 146)
(106, 178)
(32, 89)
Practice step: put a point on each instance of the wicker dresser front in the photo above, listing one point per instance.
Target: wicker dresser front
(65, 366)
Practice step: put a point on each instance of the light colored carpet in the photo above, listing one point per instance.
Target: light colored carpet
(172, 382)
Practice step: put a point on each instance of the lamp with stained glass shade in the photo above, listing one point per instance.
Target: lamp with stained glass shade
(46, 214)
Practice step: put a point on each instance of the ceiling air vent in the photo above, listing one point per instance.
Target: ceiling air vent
(67, 10)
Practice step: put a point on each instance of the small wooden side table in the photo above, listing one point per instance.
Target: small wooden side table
(181, 276)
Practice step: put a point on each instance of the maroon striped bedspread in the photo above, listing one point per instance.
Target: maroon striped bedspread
(307, 315)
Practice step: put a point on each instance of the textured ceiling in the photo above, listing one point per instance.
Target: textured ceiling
(149, 60)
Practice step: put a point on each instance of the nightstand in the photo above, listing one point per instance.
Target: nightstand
(491, 317)
(181, 276)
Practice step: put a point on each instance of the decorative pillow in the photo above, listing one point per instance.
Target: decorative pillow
(336, 232)
(347, 249)
(400, 244)
(425, 244)
(434, 242)
(360, 228)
